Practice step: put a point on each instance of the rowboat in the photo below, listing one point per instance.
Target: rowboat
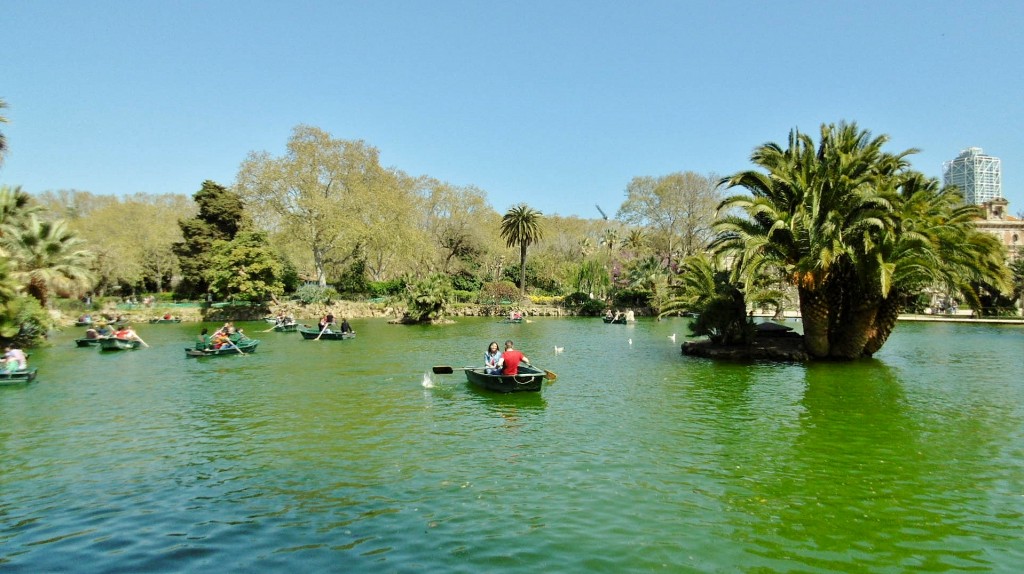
(288, 328)
(87, 341)
(247, 346)
(615, 321)
(171, 320)
(529, 379)
(312, 333)
(19, 377)
(83, 323)
(519, 320)
(115, 344)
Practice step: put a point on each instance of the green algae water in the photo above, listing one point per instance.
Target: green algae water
(351, 456)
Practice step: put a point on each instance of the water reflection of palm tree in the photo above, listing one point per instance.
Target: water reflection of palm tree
(855, 463)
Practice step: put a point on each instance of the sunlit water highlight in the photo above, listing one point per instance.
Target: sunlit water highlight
(353, 456)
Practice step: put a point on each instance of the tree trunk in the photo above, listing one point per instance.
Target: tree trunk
(885, 322)
(851, 335)
(522, 270)
(814, 312)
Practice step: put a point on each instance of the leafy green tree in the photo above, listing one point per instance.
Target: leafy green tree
(245, 268)
(429, 298)
(496, 292)
(221, 215)
(456, 219)
(333, 199)
(592, 278)
(23, 321)
(521, 226)
(677, 209)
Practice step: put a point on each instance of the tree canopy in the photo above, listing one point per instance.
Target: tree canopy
(853, 229)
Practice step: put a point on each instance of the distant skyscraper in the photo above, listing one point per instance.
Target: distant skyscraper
(977, 175)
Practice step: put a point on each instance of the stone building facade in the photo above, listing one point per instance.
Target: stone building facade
(1009, 229)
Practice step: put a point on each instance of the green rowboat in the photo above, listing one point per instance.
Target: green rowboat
(308, 332)
(247, 346)
(115, 344)
(529, 379)
(19, 377)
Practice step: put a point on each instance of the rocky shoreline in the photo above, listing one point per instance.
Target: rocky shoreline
(763, 348)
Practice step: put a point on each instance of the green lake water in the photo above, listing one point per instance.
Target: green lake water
(350, 456)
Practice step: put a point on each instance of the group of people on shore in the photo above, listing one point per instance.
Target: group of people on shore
(14, 359)
(505, 362)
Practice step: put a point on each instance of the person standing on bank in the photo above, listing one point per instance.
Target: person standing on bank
(511, 358)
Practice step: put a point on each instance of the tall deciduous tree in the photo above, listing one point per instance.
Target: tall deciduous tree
(521, 226)
(329, 195)
(221, 215)
(456, 220)
(245, 268)
(677, 209)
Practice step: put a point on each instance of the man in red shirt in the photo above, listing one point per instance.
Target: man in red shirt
(511, 359)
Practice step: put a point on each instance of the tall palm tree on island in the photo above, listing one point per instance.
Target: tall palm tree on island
(848, 224)
(521, 226)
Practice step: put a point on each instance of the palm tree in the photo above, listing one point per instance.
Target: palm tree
(609, 239)
(855, 230)
(521, 226)
(636, 241)
(649, 273)
(935, 243)
(46, 255)
(817, 214)
(705, 288)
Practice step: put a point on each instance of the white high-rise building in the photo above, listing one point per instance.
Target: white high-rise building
(978, 176)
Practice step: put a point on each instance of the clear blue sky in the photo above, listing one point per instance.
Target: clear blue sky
(554, 103)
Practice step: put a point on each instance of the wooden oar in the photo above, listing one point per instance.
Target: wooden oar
(547, 374)
(322, 331)
(139, 339)
(446, 370)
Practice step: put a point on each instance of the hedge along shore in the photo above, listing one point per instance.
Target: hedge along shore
(139, 314)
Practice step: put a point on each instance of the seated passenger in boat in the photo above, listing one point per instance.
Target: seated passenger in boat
(203, 340)
(492, 359)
